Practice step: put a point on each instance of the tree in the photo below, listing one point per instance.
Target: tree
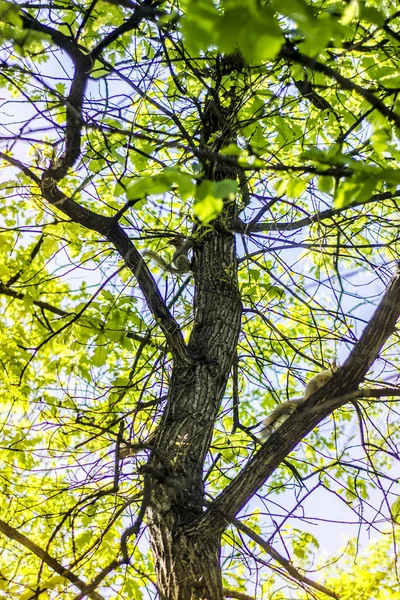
(369, 574)
(262, 136)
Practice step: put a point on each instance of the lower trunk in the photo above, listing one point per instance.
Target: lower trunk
(187, 566)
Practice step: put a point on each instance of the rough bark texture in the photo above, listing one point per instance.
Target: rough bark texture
(188, 565)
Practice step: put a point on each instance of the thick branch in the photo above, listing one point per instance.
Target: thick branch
(57, 170)
(14, 534)
(134, 261)
(83, 63)
(61, 40)
(236, 495)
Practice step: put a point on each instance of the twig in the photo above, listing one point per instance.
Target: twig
(14, 534)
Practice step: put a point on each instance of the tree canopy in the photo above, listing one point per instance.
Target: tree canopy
(257, 140)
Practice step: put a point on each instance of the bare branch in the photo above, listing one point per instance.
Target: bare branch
(14, 534)
(284, 562)
(255, 227)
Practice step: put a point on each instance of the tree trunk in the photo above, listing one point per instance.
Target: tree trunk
(187, 566)
(187, 563)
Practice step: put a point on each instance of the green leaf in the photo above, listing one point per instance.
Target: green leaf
(225, 189)
(208, 204)
(231, 150)
(254, 274)
(253, 29)
(199, 24)
(10, 13)
(395, 509)
(390, 82)
(159, 184)
(325, 184)
(99, 357)
(351, 12)
(372, 14)
(379, 140)
(355, 191)
(296, 187)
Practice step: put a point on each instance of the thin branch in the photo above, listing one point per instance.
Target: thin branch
(7, 291)
(19, 165)
(135, 527)
(254, 227)
(290, 53)
(90, 587)
(14, 534)
(147, 9)
(284, 562)
(34, 253)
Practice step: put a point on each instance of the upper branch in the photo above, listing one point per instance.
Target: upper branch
(110, 228)
(105, 226)
(61, 40)
(83, 63)
(147, 9)
(320, 404)
(294, 55)
(256, 227)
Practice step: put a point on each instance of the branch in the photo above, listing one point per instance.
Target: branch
(254, 227)
(134, 261)
(284, 562)
(19, 165)
(83, 64)
(14, 534)
(147, 9)
(90, 587)
(316, 408)
(388, 29)
(7, 291)
(82, 67)
(113, 232)
(105, 226)
(290, 53)
(61, 40)
(135, 527)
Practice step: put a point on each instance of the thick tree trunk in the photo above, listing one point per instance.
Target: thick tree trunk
(187, 563)
(188, 567)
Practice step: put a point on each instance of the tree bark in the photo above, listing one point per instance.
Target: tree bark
(187, 564)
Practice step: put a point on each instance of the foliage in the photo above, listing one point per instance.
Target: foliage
(265, 132)
(368, 574)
